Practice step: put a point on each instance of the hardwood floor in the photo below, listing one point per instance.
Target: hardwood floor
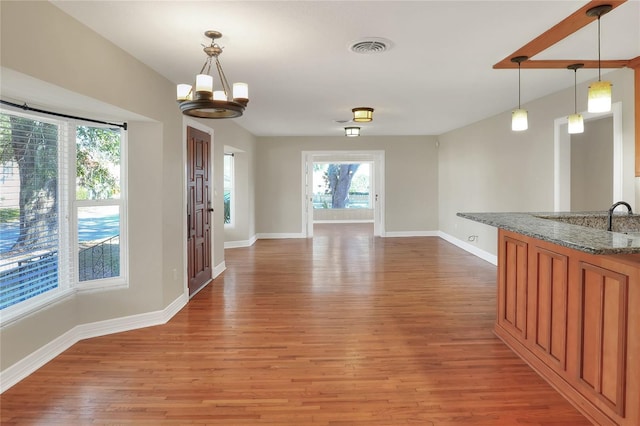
(344, 329)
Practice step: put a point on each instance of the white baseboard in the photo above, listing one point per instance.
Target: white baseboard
(342, 221)
(242, 243)
(21, 369)
(274, 236)
(394, 234)
(482, 254)
(218, 269)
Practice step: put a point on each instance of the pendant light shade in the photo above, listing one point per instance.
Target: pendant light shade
(519, 119)
(575, 121)
(576, 124)
(599, 97)
(600, 91)
(352, 131)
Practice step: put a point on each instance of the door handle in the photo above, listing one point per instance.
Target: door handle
(210, 209)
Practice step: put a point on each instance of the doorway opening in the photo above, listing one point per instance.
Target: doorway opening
(570, 162)
(343, 187)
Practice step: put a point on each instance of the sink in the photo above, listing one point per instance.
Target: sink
(622, 222)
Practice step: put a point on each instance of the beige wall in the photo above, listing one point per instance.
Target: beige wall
(411, 180)
(592, 166)
(486, 167)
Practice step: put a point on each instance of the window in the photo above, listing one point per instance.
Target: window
(57, 236)
(342, 186)
(228, 189)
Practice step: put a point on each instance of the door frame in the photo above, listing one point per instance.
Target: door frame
(377, 185)
(562, 159)
(189, 122)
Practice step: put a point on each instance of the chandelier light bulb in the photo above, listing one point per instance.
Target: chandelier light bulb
(204, 83)
(240, 91)
(184, 92)
(219, 95)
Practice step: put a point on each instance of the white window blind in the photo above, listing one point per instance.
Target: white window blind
(32, 188)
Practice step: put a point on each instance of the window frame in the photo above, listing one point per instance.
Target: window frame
(231, 188)
(68, 274)
(123, 278)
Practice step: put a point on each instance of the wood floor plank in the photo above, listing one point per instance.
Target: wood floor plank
(344, 329)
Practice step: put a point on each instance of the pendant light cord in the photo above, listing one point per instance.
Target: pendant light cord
(599, 67)
(518, 85)
(575, 91)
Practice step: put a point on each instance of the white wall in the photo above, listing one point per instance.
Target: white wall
(486, 167)
(411, 180)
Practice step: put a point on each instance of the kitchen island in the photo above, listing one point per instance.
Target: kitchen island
(568, 304)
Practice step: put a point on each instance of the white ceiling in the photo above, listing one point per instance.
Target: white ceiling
(294, 55)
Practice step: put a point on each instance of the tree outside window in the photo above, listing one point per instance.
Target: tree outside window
(341, 185)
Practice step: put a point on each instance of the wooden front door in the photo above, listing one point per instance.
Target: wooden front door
(198, 209)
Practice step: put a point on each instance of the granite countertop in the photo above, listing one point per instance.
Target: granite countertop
(561, 228)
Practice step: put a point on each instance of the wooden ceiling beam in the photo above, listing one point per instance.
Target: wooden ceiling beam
(560, 31)
(634, 63)
(564, 63)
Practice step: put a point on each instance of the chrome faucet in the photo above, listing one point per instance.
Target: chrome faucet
(613, 207)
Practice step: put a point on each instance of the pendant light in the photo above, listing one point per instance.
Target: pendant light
(576, 123)
(352, 131)
(519, 120)
(599, 91)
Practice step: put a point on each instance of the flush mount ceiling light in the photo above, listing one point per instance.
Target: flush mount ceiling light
(599, 91)
(352, 131)
(362, 114)
(519, 120)
(205, 102)
(576, 123)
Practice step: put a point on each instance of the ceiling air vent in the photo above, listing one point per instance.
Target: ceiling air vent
(370, 45)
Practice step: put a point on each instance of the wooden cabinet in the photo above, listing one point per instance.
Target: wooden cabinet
(574, 317)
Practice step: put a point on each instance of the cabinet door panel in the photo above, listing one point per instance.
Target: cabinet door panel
(548, 300)
(512, 288)
(603, 335)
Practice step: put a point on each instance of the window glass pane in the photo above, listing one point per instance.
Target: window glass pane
(97, 163)
(228, 186)
(98, 242)
(341, 186)
(28, 208)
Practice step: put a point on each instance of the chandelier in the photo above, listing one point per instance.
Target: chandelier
(204, 102)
